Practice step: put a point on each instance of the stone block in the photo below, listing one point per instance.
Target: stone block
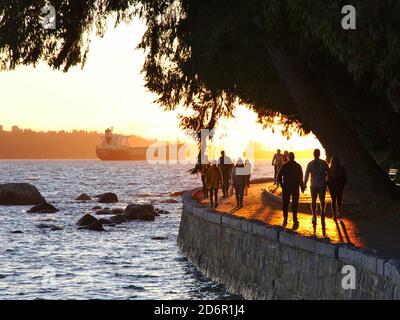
(259, 230)
(231, 222)
(187, 208)
(369, 262)
(272, 233)
(199, 212)
(212, 217)
(244, 225)
(358, 257)
(326, 249)
(392, 270)
(251, 226)
(304, 243)
(263, 231)
(287, 238)
(380, 266)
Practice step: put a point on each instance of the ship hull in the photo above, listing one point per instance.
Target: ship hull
(128, 154)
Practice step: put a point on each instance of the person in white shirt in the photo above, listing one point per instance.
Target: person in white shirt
(319, 170)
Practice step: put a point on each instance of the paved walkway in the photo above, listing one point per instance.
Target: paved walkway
(380, 233)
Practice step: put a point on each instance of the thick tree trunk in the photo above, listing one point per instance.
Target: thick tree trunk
(366, 178)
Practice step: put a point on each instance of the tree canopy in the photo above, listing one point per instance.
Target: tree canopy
(220, 46)
(209, 55)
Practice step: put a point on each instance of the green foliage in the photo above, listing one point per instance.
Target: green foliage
(23, 41)
(370, 53)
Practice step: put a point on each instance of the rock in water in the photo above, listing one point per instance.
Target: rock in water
(169, 201)
(139, 212)
(86, 219)
(144, 207)
(159, 211)
(103, 212)
(147, 206)
(83, 197)
(117, 210)
(43, 207)
(19, 194)
(96, 208)
(108, 197)
(118, 219)
(94, 226)
(156, 214)
(143, 216)
(105, 221)
(178, 194)
(49, 226)
(159, 238)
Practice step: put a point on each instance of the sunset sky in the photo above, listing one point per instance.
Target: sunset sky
(110, 91)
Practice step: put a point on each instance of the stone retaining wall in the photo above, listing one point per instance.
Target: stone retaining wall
(259, 261)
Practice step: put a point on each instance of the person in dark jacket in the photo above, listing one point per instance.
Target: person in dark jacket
(239, 182)
(203, 171)
(290, 177)
(337, 180)
(213, 180)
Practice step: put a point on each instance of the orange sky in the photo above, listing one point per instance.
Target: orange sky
(110, 91)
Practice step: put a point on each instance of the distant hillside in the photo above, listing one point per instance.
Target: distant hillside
(29, 144)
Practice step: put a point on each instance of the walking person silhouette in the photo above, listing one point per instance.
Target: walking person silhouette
(239, 181)
(318, 169)
(226, 166)
(213, 180)
(337, 180)
(277, 162)
(290, 177)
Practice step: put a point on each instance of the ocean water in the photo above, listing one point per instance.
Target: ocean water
(123, 263)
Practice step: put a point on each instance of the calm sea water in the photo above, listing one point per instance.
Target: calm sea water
(123, 263)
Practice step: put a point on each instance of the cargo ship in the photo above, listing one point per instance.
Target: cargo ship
(116, 148)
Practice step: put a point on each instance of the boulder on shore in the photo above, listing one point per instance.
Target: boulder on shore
(43, 207)
(83, 197)
(19, 194)
(108, 197)
(139, 212)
